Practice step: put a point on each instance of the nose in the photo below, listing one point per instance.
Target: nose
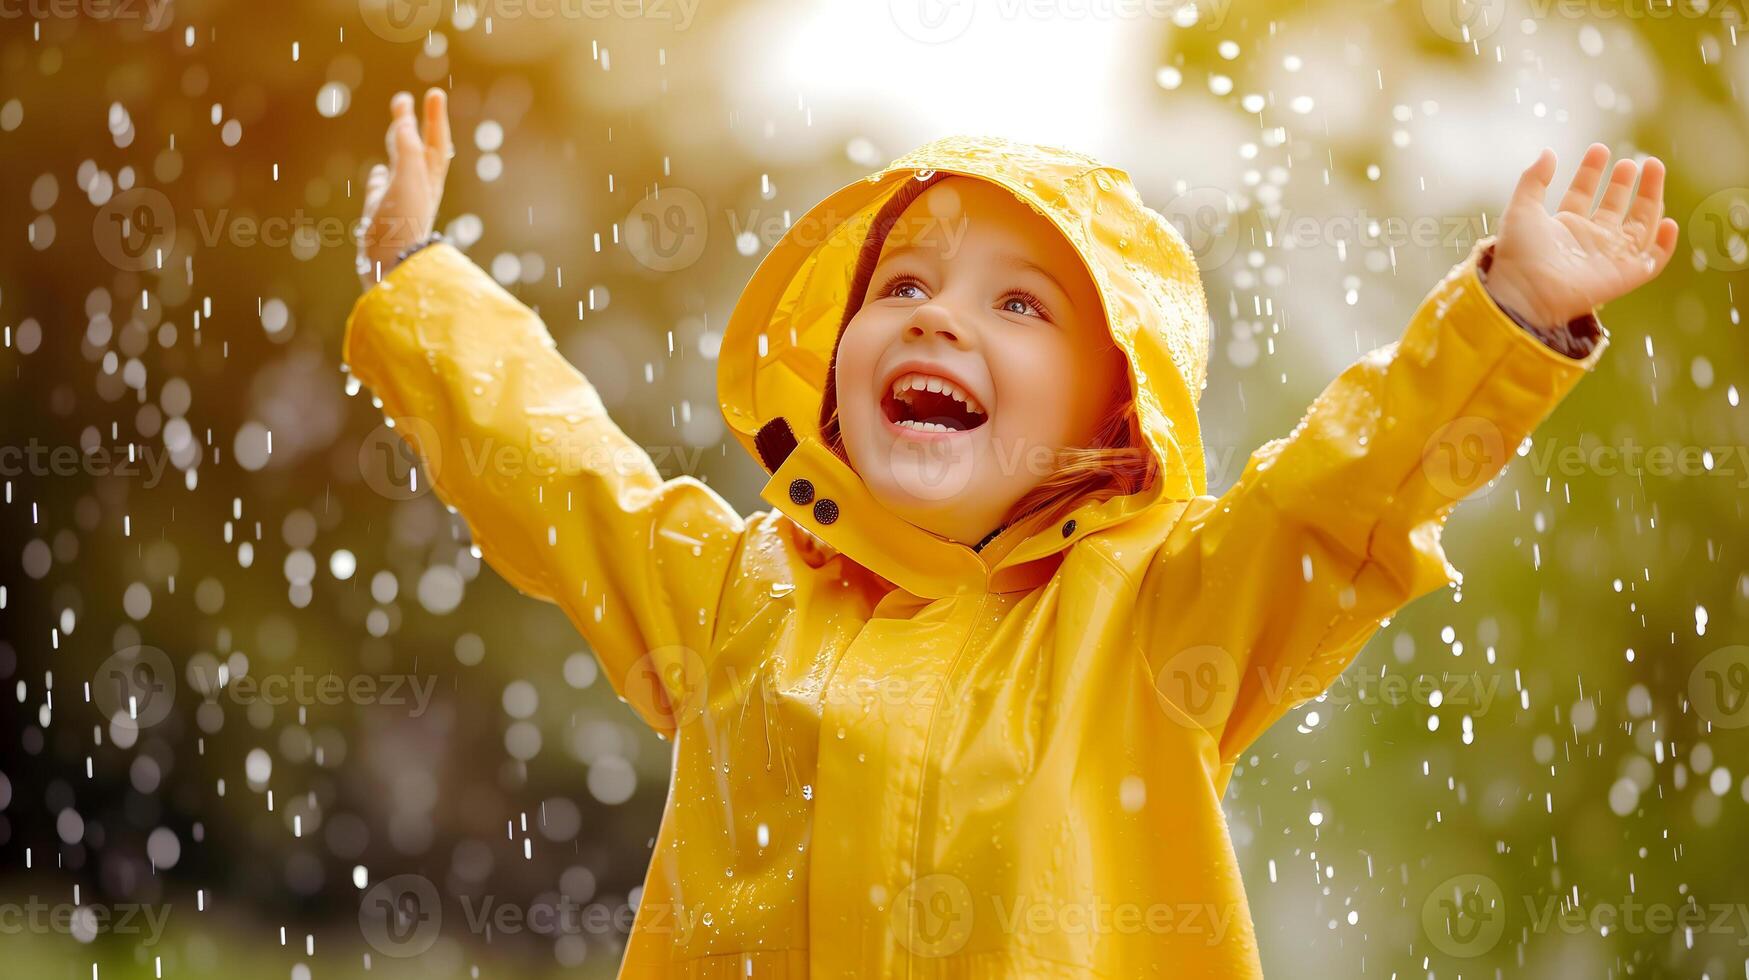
(935, 320)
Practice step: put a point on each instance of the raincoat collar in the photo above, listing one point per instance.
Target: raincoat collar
(774, 361)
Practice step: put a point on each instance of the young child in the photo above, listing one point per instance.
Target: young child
(964, 703)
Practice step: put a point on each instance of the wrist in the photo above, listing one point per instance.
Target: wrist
(376, 264)
(1575, 336)
(1519, 301)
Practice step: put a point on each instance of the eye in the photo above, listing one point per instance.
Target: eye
(904, 287)
(1022, 303)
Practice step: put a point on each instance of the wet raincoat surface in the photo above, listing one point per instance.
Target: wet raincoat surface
(895, 756)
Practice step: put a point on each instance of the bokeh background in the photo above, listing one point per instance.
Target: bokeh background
(193, 492)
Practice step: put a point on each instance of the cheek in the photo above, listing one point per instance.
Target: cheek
(854, 376)
(1042, 384)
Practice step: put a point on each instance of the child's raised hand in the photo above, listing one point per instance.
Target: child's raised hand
(400, 199)
(1552, 268)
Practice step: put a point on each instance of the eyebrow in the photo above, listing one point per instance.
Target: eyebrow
(1007, 258)
(1024, 263)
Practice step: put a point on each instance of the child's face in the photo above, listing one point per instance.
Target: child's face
(980, 349)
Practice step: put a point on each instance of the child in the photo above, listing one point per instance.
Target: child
(964, 703)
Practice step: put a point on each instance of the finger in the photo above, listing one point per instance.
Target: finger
(1616, 195)
(1648, 205)
(1664, 244)
(1533, 184)
(1583, 190)
(438, 146)
(400, 121)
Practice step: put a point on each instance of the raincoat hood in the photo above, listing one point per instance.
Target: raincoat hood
(777, 350)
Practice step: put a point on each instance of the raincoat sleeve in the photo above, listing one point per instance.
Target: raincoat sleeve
(1259, 599)
(559, 501)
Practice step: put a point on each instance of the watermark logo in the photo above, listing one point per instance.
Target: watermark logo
(1463, 455)
(1719, 228)
(1464, 21)
(1465, 915)
(1205, 218)
(932, 468)
(401, 916)
(400, 21)
(933, 915)
(390, 458)
(136, 684)
(135, 230)
(1201, 683)
(668, 685)
(932, 21)
(667, 230)
(1719, 687)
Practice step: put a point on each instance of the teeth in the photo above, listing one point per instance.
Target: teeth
(924, 426)
(926, 382)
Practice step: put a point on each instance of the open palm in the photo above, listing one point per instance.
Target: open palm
(401, 198)
(1552, 268)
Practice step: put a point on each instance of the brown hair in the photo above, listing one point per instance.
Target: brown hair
(1118, 461)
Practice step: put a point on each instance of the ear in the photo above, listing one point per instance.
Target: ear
(774, 441)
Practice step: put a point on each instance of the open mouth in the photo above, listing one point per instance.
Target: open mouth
(926, 403)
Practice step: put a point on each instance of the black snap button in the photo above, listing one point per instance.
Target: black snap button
(825, 510)
(801, 491)
(1068, 527)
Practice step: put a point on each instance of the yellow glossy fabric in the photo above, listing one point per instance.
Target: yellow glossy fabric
(895, 756)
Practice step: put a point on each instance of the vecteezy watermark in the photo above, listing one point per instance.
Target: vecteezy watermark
(308, 689)
(1466, 915)
(403, 916)
(297, 231)
(1718, 687)
(401, 460)
(941, 21)
(1210, 221)
(392, 456)
(1719, 229)
(135, 230)
(401, 21)
(1199, 686)
(668, 686)
(1464, 21)
(672, 686)
(138, 686)
(36, 459)
(756, 230)
(667, 230)
(1462, 456)
(1469, 21)
(84, 922)
(153, 14)
(934, 915)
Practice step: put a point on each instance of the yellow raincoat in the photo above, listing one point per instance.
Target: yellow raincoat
(895, 756)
